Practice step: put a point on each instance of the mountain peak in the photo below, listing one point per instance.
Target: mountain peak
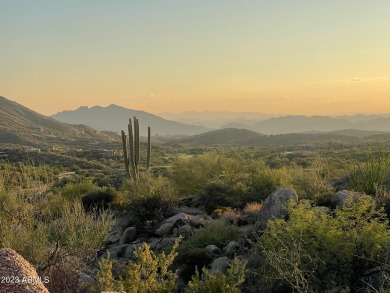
(115, 118)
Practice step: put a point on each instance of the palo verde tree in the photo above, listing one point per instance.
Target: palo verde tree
(131, 147)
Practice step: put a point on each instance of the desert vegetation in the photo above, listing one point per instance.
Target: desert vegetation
(190, 223)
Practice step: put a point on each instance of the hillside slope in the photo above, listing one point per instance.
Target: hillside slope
(20, 125)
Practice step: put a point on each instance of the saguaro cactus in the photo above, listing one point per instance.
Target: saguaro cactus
(131, 150)
(148, 151)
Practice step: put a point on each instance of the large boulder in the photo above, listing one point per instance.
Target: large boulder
(199, 221)
(128, 235)
(190, 211)
(177, 220)
(340, 198)
(164, 229)
(18, 275)
(219, 265)
(275, 206)
(212, 249)
(185, 231)
(232, 248)
(123, 221)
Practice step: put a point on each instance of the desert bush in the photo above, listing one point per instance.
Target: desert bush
(148, 199)
(80, 233)
(105, 277)
(216, 283)
(48, 239)
(147, 186)
(314, 251)
(309, 184)
(370, 175)
(75, 190)
(100, 199)
(149, 273)
(193, 258)
(217, 194)
(192, 174)
(265, 180)
(252, 208)
(217, 232)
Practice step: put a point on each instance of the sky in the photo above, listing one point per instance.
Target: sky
(271, 56)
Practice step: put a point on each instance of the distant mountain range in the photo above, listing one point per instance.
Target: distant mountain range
(244, 137)
(256, 121)
(216, 119)
(296, 124)
(228, 136)
(22, 126)
(115, 118)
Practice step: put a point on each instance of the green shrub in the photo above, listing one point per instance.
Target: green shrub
(309, 184)
(150, 272)
(147, 186)
(193, 258)
(81, 234)
(73, 191)
(105, 277)
(148, 199)
(217, 283)
(192, 174)
(371, 175)
(100, 199)
(217, 194)
(217, 232)
(314, 251)
(265, 181)
(29, 225)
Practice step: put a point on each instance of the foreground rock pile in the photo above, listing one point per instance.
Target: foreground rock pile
(18, 275)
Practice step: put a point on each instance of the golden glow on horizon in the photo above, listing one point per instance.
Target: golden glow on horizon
(274, 57)
(325, 98)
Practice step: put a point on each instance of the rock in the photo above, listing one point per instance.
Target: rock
(275, 206)
(23, 278)
(177, 220)
(199, 221)
(113, 237)
(190, 211)
(232, 248)
(339, 199)
(339, 183)
(185, 231)
(212, 249)
(86, 280)
(128, 235)
(168, 241)
(164, 229)
(117, 251)
(122, 221)
(219, 265)
(130, 249)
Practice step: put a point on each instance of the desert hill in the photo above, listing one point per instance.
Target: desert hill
(20, 125)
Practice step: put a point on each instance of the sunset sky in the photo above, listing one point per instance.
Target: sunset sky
(277, 57)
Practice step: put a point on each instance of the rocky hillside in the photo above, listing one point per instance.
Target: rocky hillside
(22, 126)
